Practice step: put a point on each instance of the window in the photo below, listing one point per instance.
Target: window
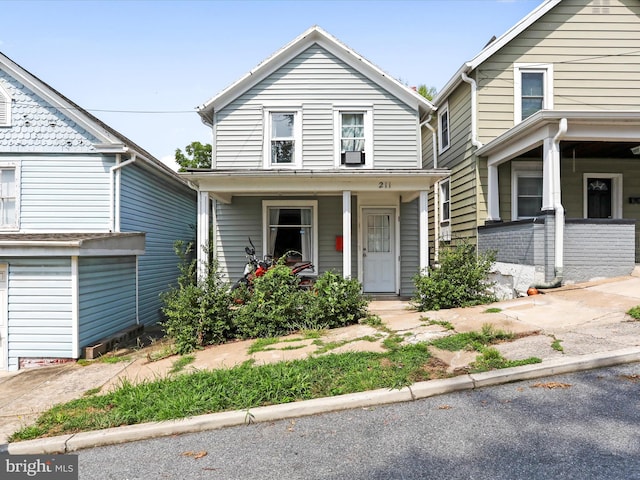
(9, 200)
(533, 89)
(5, 108)
(291, 226)
(352, 139)
(282, 142)
(526, 190)
(445, 210)
(353, 131)
(443, 127)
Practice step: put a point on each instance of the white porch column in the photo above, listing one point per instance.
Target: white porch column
(424, 229)
(346, 234)
(203, 234)
(548, 173)
(493, 188)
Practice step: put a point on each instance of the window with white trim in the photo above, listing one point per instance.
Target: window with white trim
(291, 226)
(445, 209)
(353, 134)
(443, 127)
(283, 134)
(5, 108)
(9, 198)
(526, 181)
(533, 89)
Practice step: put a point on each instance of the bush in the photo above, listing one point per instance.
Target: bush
(272, 308)
(335, 302)
(459, 281)
(196, 312)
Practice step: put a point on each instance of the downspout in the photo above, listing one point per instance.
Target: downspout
(112, 193)
(436, 223)
(558, 209)
(474, 94)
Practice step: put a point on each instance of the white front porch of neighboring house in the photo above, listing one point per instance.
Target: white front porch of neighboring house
(378, 198)
(548, 129)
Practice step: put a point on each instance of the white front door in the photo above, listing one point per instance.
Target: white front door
(3, 317)
(378, 250)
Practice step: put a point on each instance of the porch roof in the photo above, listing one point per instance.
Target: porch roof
(71, 244)
(223, 184)
(585, 126)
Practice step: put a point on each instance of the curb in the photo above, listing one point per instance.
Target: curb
(213, 421)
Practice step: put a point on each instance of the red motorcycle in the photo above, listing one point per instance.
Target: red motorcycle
(256, 267)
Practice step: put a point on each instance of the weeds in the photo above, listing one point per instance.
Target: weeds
(491, 359)
(556, 345)
(634, 312)
(442, 323)
(472, 340)
(493, 310)
(182, 362)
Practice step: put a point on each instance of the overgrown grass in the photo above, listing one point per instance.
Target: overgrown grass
(634, 312)
(493, 310)
(442, 323)
(182, 362)
(243, 387)
(491, 359)
(472, 340)
(556, 345)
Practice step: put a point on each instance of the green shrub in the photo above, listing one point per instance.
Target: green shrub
(196, 312)
(459, 281)
(334, 301)
(273, 307)
(634, 312)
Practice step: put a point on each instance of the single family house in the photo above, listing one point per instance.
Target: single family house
(317, 150)
(541, 132)
(87, 225)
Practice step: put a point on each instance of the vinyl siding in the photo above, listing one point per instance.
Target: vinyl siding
(409, 246)
(242, 219)
(592, 52)
(42, 328)
(166, 211)
(314, 82)
(107, 297)
(64, 193)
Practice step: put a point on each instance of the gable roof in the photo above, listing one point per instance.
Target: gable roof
(112, 141)
(493, 47)
(314, 35)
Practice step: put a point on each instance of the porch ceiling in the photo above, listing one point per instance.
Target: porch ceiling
(247, 182)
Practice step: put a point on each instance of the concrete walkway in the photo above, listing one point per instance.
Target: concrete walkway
(588, 321)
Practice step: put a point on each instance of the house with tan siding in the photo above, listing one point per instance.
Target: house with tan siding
(317, 150)
(541, 132)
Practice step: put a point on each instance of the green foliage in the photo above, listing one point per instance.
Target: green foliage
(273, 306)
(198, 155)
(634, 312)
(427, 92)
(335, 301)
(491, 359)
(196, 312)
(472, 340)
(459, 281)
(556, 345)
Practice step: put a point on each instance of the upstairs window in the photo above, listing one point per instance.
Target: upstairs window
(8, 197)
(352, 139)
(533, 89)
(5, 108)
(443, 127)
(282, 142)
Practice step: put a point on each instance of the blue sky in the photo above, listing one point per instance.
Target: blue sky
(119, 58)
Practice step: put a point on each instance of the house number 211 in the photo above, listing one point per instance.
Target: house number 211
(384, 184)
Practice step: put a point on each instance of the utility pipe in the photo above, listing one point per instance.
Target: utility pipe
(114, 220)
(433, 139)
(474, 94)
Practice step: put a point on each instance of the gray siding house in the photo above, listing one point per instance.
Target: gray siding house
(541, 131)
(319, 151)
(87, 225)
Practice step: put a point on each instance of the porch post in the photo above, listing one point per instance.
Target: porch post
(548, 174)
(346, 234)
(203, 234)
(493, 206)
(424, 229)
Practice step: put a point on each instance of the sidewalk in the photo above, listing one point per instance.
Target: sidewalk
(588, 319)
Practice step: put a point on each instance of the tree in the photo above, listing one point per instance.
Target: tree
(198, 155)
(427, 92)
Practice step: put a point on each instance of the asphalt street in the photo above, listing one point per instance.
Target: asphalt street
(576, 426)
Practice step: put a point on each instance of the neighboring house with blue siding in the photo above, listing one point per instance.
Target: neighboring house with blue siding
(318, 150)
(87, 225)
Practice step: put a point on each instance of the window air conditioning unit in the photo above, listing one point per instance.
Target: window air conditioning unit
(353, 158)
